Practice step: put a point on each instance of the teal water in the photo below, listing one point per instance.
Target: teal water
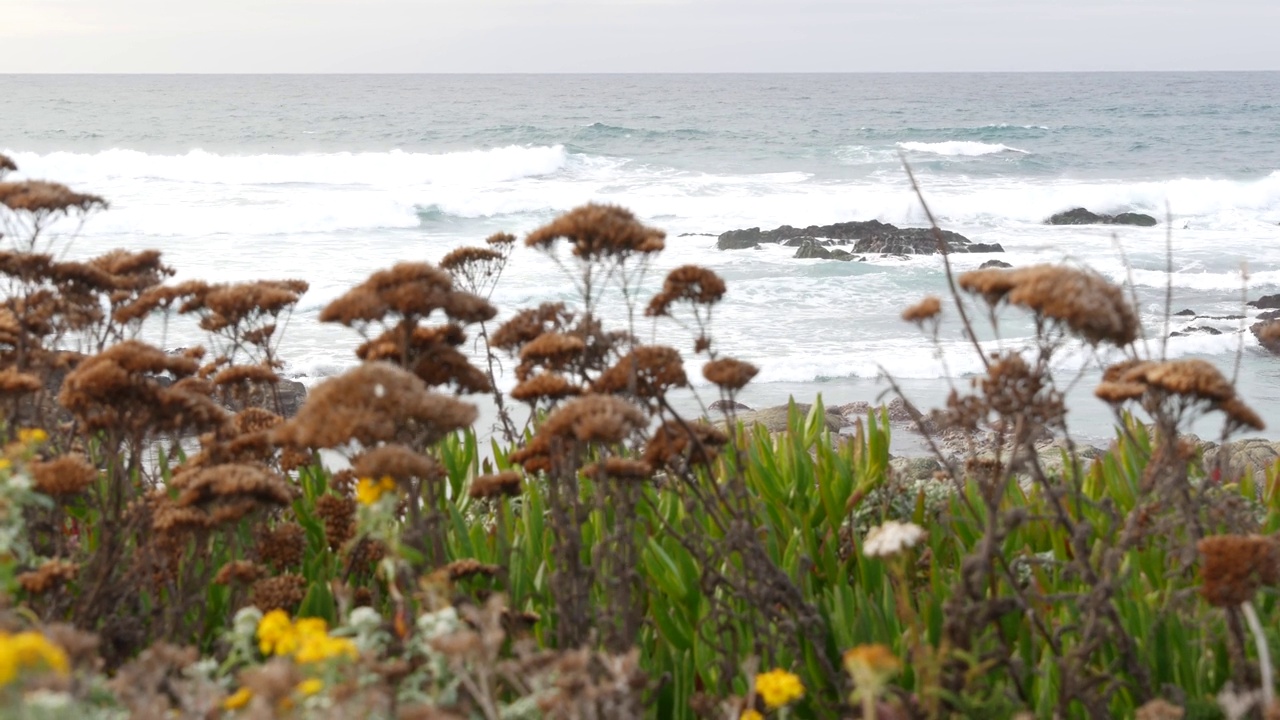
(330, 177)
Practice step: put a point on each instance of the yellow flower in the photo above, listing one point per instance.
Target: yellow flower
(779, 687)
(311, 627)
(276, 634)
(29, 650)
(750, 714)
(32, 436)
(870, 666)
(318, 648)
(369, 491)
(5, 464)
(238, 699)
(310, 687)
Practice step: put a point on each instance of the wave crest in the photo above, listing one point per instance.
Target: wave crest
(959, 148)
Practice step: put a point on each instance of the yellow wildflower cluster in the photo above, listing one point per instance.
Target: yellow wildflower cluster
(369, 491)
(778, 687)
(307, 640)
(28, 650)
(32, 436)
(238, 699)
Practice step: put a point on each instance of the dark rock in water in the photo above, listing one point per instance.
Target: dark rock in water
(871, 236)
(798, 241)
(1198, 330)
(696, 235)
(811, 249)
(1266, 302)
(1081, 216)
(1271, 345)
(291, 393)
(1269, 315)
(727, 406)
(1185, 313)
(994, 264)
(1221, 317)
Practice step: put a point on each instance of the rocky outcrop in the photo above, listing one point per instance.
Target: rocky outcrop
(1266, 302)
(774, 419)
(1081, 216)
(994, 264)
(871, 236)
(1266, 340)
(1229, 462)
(1188, 312)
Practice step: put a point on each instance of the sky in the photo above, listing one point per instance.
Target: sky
(452, 36)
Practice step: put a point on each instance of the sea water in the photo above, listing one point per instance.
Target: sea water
(329, 178)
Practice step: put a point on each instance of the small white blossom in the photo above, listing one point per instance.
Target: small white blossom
(891, 538)
(246, 622)
(440, 622)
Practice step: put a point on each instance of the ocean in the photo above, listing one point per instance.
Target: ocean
(328, 178)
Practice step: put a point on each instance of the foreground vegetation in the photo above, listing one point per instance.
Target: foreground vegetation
(610, 559)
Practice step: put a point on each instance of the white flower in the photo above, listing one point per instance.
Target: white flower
(891, 538)
(364, 619)
(245, 624)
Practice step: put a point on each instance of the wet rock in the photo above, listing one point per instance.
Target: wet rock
(1198, 330)
(1185, 313)
(871, 236)
(1081, 216)
(727, 406)
(774, 419)
(1266, 302)
(994, 264)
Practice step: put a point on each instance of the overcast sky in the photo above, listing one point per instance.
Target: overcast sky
(445, 36)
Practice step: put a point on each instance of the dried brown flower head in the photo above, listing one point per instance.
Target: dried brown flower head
(729, 374)
(598, 231)
(63, 476)
(465, 568)
(282, 546)
(500, 239)
(240, 572)
(617, 468)
(397, 462)
(687, 283)
(45, 198)
(231, 484)
(282, 592)
(407, 290)
(926, 309)
(374, 403)
(1189, 378)
(463, 256)
(244, 375)
(1232, 567)
(50, 574)
(506, 483)
(594, 418)
(1083, 301)
(648, 371)
(531, 323)
(545, 386)
(255, 420)
(1241, 415)
(122, 387)
(1119, 392)
(694, 443)
(431, 354)
(339, 517)
(15, 382)
(7, 165)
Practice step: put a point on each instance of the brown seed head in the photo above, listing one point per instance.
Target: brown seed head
(694, 443)
(460, 569)
(598, 231)
(282, 592)
(500, 239)
(339, 516)
(648, 371)
(7, 165)
(50, 574)
(45, 198)
(506, 483)
(688, 283)
(374, 403)
(1241, 415)
(1232, 567)
(397, 462)
(14, 382)
(617, 468)
(1193, 378)
(1083, 301)
(240, 572)
(282, 546)
(459, 259)
(63, 476)
(729, 374)
(531, 323)
(926, 309)
(1117, 393)
(545, 386)
(594, 418)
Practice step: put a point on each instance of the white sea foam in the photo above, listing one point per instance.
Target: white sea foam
(959, 148)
